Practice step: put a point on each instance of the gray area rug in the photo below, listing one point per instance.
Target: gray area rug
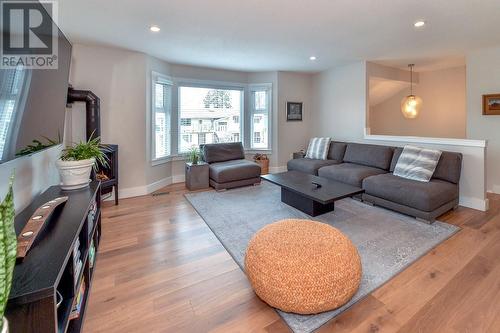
(387, 241)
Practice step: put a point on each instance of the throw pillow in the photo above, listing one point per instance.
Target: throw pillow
(417, 163)
(318, 148)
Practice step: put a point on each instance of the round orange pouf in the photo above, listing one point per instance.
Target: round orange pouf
(303, 266)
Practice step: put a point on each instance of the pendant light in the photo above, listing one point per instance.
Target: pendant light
(411, 104)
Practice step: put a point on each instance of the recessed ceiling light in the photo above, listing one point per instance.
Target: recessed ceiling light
(312, 58)
(154, 28)
(419, 24)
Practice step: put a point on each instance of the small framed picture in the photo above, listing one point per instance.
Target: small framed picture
(491, 104)
(293, 111)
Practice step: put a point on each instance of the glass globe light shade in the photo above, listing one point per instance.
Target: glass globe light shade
(411, 106)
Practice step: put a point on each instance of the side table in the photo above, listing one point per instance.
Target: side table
(197, 176)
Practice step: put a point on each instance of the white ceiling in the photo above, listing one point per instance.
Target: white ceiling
(260, 35)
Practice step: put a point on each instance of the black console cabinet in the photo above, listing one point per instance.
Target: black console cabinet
(50, 267)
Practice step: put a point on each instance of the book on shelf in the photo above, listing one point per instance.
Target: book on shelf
(78, 268)
(91, 254)
(77, 303)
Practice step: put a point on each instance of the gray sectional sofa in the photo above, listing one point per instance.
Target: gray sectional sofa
(371, 167)
(228, 167)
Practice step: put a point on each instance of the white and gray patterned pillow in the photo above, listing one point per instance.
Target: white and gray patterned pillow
(318, 148)
(417, 163)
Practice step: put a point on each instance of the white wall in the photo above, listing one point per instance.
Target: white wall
(117, 76)
(339, 102)
(340, 99)
(33, 175)
(443, 113)
(293, 135)
(483, 77)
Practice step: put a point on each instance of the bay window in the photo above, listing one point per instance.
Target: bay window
(189, 113)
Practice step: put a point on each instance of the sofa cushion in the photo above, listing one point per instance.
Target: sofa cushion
(220, 152)
(337, 151)
(309, 165)
(228, 171)
(369, 155)
(349, 173)
(419, 195)
(449, 167)
(318, 148)
(417, 163)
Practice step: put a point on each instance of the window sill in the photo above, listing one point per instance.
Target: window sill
(168, 159)
(259, 151)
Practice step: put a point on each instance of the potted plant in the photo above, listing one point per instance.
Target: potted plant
(77, 161)
(263, 161)
(8, 251)
(194, 154)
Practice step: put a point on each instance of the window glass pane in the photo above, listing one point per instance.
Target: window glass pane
(159, 95)
(260, 100)
(162, 112)
(259, 130)
(259, 138)
(208, 116)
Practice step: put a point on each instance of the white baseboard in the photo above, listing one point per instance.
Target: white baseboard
(178, 179)
(147, 189)
(475, 203)
(150, 188)
(495, 189)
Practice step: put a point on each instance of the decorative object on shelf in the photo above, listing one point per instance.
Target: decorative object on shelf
(194, 154)
(293, 111)
(197, 176)
(491, 105)
(7, 251)
(35, 224)
(77, 161)
(411, 104)
(263, 161)
(38, 145)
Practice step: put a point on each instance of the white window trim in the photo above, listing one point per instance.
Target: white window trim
(167, 80)
(259, 87)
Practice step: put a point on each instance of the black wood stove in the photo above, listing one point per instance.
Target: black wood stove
(108, 175)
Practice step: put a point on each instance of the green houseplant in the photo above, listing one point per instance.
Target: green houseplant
(8, 250)
(194, 154)
(77, 161)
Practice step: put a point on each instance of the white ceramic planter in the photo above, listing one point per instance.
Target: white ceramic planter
(5, 327)
(75, 174)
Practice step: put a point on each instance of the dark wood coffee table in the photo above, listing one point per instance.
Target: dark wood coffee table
(299, 191)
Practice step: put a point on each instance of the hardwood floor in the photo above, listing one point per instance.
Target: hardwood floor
(161, 269)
